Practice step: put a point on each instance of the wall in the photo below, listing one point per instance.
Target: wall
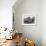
(6, 13)
(32, 32)
(43, 22)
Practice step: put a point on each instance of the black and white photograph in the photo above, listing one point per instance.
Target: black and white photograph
(28, 20)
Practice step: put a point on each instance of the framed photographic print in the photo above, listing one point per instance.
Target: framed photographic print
(28, 19)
